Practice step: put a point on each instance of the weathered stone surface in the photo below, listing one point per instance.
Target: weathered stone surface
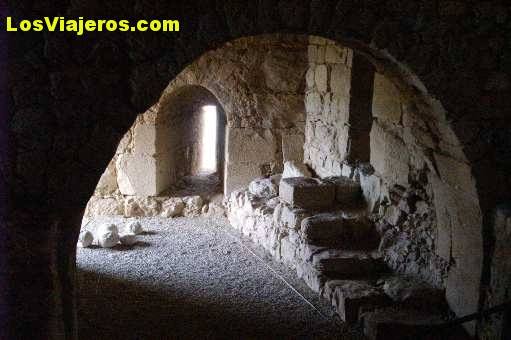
(399, 323)
(308, 193)
(389, 155)
(99, 206)
(136, 174)
(139, 207)
(107, 235)
(292, 217)
(292, 147)
(293, 169)
(314, 279)
(107, 184)
(172, 207)
(351, 297)
(134, 227)
(347, 191)
(333, 229)
(193, 206)
(386, 100)
(85, 239)
(413, 293)
(215, 209)
(263, 187)
(346, 264)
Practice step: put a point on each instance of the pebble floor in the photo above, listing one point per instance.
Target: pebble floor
(195, 278)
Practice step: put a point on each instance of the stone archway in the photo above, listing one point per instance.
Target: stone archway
(81, 114)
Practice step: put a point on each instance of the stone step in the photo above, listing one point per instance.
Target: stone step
(413, 293)
(399, 323)
(307, 193)
(347, 191)
(319, 264)
(336, 263)
(352, 297)
(337, 230)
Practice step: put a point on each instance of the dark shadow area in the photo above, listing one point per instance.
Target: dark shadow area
(113, 309)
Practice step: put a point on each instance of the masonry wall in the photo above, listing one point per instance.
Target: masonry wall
(327, 103)
(258, 84)
(422, 192)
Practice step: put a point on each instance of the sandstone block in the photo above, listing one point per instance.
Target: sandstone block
(134, 227)
(107, 235)
(292, 147)
(329, 229)
(263, 187)
(172, 207)
(321, 78)
(307, 193)
(98, 206)
(107, 184)
(346, 190)
(294, 169)
(350, 297)
(345, 264)
(193, 206)
(85, 239)
(292, 217)
(386, 100)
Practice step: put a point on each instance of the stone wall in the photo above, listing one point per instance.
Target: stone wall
(258, 86)
(69, 101)
(423, 194)
(327, 103)
(417, 181)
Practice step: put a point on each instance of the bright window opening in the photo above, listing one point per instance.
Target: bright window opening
(209, 128)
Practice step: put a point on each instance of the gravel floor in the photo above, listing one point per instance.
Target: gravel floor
(194, 278)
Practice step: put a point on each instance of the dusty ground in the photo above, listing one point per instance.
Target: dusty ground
(194, 278)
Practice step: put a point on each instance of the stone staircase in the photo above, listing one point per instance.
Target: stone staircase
(321, 228)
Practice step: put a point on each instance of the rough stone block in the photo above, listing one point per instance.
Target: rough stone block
(107, 184)
(307, 193)
(321, 78)
(136, 174)
(348, 264)
(389, 155)
(172, 207)
(263, 187)
(346, 190)
(314, 279)
(397, 323)
(294, 169)
(329, 229)
(340, 81)
(85, 239)
(250, 146)
(292, 217)
(292, 147)
(98, 206)
(413, 293)
(351, 297)
(239, 175)
(386, 100)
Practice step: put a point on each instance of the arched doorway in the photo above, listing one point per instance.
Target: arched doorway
(422, 36)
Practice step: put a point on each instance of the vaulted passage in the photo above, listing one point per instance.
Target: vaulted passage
(360, 150)
(336, 170)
